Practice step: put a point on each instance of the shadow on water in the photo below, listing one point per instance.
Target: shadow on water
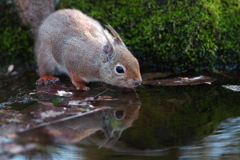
(157, 122)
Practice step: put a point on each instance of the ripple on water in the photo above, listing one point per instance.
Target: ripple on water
(222, 144)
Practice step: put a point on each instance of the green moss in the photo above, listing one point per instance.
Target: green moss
(178, 34)
(16, 39)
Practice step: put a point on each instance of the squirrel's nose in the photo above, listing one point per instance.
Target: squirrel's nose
(137, 82)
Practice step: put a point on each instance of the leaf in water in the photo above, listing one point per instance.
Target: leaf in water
(10, 70)
(104, 98)
(48, 104)
(57, 100)
(235, 88)
(5, 111)
(47, 114)
(5, 103)
(181, 81)
(75, 101)
(51, 113)
(64, 93)
(54, 90)
(80, 103)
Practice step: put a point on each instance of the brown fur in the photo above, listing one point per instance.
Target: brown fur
(72, 43)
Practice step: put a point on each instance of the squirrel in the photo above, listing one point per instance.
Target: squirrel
(72, 43)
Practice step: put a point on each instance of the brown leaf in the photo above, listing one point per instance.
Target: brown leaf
(54, 90)
(181, 81)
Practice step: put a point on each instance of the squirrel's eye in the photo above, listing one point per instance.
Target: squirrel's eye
(119, 114)
(119, 69)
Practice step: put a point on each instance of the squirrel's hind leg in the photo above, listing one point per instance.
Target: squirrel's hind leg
(47, 79)
(46, 65)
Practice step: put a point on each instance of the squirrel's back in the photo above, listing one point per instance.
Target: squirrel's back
(64, 26)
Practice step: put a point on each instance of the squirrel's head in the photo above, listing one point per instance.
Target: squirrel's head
(119, 66)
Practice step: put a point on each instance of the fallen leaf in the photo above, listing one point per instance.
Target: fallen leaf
(104, 98)
(55, 89)
(50, 113)
(64, 93)
(181, 81)
(57, 100)
(235, 88)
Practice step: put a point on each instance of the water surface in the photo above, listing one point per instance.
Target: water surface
(157, 122)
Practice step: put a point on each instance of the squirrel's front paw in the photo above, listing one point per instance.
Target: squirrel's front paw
(79, 84)
(47, 79)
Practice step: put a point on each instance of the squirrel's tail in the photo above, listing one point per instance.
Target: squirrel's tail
(33, 12)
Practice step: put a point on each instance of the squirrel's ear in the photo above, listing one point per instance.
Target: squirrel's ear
(108, 49)
(117, 38)
(107, 52)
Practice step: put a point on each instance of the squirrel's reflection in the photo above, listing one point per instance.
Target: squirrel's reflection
(111, 120)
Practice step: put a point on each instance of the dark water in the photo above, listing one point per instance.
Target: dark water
(153, 122)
